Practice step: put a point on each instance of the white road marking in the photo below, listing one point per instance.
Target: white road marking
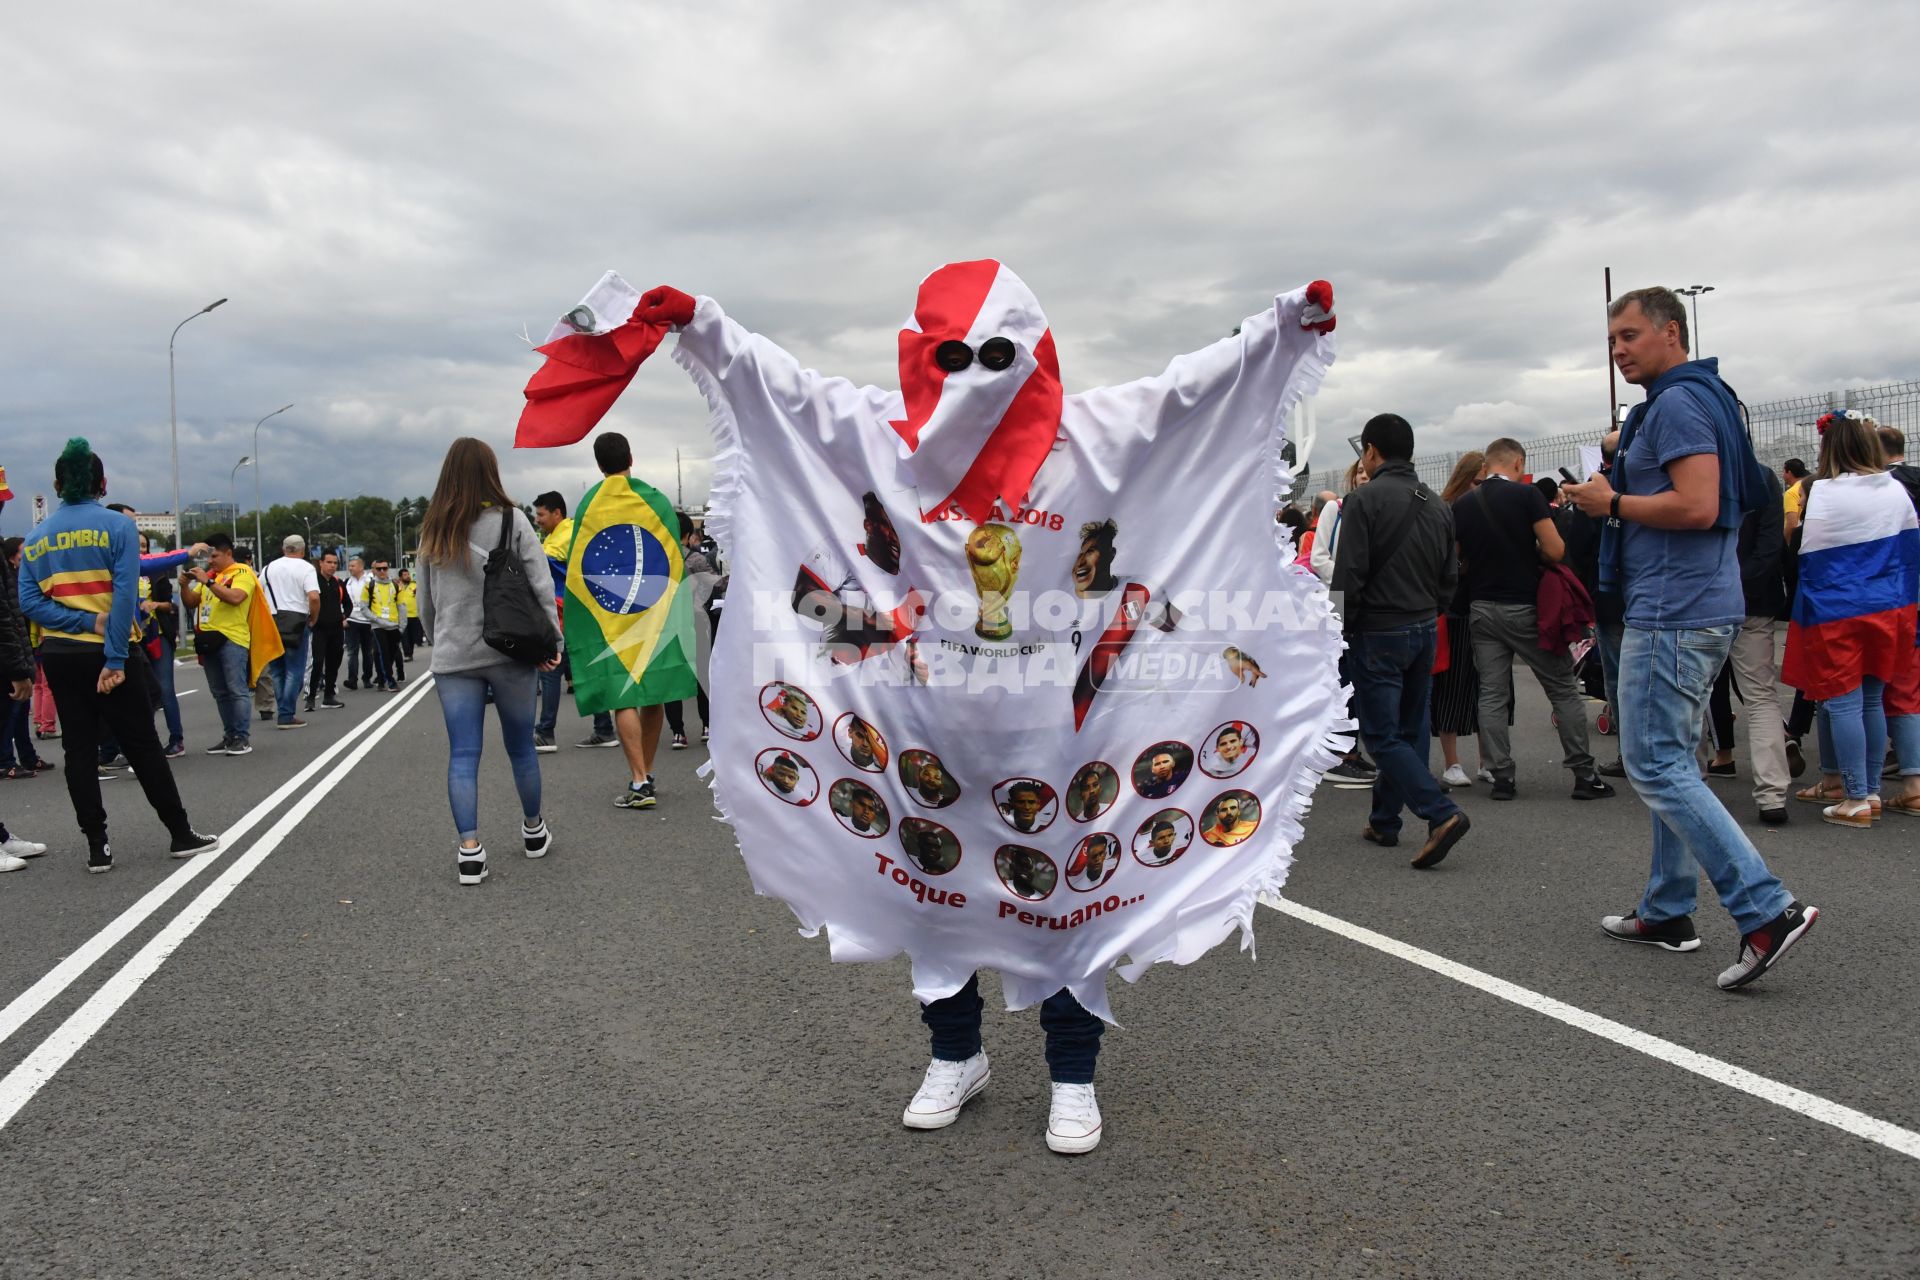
(1814, 1107)
(62, 975)
(40, 1066)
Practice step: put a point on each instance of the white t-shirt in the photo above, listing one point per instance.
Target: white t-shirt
(289, 579)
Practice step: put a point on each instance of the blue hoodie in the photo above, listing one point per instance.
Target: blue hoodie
(80, 562)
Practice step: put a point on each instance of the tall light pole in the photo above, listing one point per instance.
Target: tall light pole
(1692, 292)
(173, 425)
(399, 517)
(233, 496)
(259, 548)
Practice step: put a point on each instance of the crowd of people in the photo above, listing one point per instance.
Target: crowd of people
(1656, 584)
(92, 624)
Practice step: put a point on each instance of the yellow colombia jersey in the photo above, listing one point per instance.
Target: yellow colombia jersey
(230, 620)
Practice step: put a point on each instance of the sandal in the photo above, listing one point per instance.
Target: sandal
(1820, 793)
(1909, 805)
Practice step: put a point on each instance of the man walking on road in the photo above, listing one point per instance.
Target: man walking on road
(1683, 480)
(1396, 566)
(360, 647)
(329, 633)
(381, 596)
(80, 580)
(1506, 532)
(556, 539)
(293, 590)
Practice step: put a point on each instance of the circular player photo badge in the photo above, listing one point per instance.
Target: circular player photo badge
(860, 743)
(1162, 838)
(1027, 873)
(1161, 768)
(1229, 818)
(1094, 788)
(929, 846)
(926, 779)
(1028, 805)
(859, 808)
(791, 710)
(787, 775)
(1093, 863)
(1230, 748)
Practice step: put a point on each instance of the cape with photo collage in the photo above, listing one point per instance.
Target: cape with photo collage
(1009, 678)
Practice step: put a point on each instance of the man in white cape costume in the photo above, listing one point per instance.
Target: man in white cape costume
(982, 574)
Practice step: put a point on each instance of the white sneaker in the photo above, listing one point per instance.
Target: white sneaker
(538, 840)
(470, 865)
(10, 863)
(15, 847)
(1073, 1126)
(945, 1089)
(1486, 775)
(1455, 776)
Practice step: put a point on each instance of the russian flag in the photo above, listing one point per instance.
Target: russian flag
(1859, 580)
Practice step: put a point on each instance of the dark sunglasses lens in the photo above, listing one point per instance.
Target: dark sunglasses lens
(953, 356)
(996, 353)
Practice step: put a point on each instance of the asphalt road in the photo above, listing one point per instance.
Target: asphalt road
(618, 1062)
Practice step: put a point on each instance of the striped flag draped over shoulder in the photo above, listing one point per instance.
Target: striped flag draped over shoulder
(1859, 578)
(628, 608)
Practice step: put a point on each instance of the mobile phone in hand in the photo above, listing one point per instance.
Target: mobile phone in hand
(1568, 476)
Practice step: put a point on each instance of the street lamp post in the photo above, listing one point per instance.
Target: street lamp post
(1692, 293)
(233, 496)
(399, 523)
(173, 425)
(259, 550)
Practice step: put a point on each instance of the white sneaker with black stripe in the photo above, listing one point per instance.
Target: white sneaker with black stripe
(470, 864)
(538, 839)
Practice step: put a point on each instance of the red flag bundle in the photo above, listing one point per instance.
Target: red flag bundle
(592, 354)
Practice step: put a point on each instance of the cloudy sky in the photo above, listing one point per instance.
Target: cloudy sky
(388, 193)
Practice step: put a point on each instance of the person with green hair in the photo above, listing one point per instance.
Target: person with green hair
(79, 579)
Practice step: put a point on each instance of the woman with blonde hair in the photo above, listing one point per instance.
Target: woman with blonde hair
(1853, 617)
(468, 518)
(1456, 691)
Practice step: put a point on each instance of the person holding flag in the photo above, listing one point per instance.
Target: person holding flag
(629, 612)
(238, 637)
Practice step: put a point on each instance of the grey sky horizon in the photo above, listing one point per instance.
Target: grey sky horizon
(389, 194)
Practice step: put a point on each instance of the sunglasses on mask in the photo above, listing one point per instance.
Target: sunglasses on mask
(995, 354)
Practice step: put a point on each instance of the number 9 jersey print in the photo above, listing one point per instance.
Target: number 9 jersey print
(981, 689)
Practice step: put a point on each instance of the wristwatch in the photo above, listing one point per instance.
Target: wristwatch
(1614, 509)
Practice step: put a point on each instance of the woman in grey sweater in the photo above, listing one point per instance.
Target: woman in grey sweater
(461, 528)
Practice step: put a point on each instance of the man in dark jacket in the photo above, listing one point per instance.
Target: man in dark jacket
(329, 634)
(16, 669)
(1396, 567)
(1753, 664)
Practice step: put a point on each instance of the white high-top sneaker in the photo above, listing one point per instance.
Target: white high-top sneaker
(1073, 1124)
(945, 1089)
(10, 863)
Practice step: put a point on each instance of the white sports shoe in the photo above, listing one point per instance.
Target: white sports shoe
(944, 1090)
(1073, 1126)
(1486, 774)
(15, 847)
(1455, 776)
(10, 863)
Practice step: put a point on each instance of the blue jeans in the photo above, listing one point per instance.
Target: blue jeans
(1853, 737)
(163, 672)
(463, 704)
(1607, 640)
(549, 703)
(1073, 1034)
(16, 742)
(1666, 678)
(1392, 675)
(289, 672)
(227, 681)
(1905, 732)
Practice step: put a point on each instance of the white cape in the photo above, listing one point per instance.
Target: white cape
(1039, 844)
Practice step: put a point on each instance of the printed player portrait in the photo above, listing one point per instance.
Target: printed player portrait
(1027, 873)
(859, 808)
(1163, 837)
(1231, 818)
(1028, 805)
(860, 743)
(1093, 566)
(1094, 861)
(1161, 768)
(1095, 787)
(791, 710)
(927, 781)
(1229, 749)
(787, 775)
(929, 846)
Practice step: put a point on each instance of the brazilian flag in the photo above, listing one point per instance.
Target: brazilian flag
(629, 612)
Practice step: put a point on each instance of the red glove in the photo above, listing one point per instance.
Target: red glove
(664, 305)
(1317, 315)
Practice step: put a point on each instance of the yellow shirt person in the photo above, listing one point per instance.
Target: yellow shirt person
(230, 620)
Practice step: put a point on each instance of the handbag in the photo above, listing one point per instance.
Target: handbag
(292, 626)
(512, 619)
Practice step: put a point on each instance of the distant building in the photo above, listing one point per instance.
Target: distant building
(158, 525)
(210, 510)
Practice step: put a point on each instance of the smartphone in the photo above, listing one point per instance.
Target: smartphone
(1568, 476)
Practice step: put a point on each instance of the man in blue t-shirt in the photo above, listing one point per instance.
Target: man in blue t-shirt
(1681, 484)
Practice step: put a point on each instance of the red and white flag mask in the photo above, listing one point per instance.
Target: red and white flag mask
(977, 432)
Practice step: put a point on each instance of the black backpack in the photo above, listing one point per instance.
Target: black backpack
(512, 617)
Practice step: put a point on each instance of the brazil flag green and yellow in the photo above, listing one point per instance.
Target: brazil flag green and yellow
(629, 613)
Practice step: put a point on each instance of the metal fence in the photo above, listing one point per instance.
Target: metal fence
(1781, 429)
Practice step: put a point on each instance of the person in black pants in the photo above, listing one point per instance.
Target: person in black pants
(99, 679)
(329, 634)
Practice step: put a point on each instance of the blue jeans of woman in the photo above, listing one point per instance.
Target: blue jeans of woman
(1853, 737)
(16, 738)
(227, 681)
(1073, 1034)
(463, 704)
(162, 668)
(1666, 678)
